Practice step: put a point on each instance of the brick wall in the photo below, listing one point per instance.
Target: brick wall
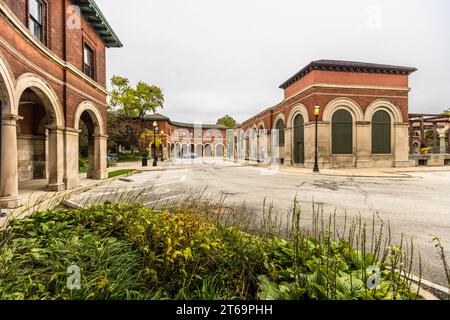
(23, 56)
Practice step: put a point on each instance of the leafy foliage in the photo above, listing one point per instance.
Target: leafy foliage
(227, 121)
(132, 252)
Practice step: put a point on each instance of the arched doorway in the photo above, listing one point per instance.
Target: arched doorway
(220, 151)
(299, 139)
(184, 150)
(91, 142)
(39, 134)
(177, 152)
(208, 151)
(199, 150)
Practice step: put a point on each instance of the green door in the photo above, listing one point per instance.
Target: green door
(299, 139)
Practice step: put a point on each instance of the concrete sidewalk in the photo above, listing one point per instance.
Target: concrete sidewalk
(35, 198)
(393, 173)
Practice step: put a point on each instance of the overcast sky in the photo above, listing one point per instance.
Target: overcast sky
(217, 57)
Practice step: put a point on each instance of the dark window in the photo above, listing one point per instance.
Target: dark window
(280, 128)
(342, 132)
(37, 18)
(299, 139)
(88, 57)
(381, 133)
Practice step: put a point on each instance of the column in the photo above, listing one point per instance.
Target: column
(71, 155)
(401, 145)
(288, 146)
(9, 182)
(100, 154)
(363, 144)
(443, 145)
(55, 159)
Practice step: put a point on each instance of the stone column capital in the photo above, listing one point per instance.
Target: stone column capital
(55, 128)
(10, 119)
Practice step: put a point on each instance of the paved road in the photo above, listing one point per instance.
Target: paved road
(418, 207)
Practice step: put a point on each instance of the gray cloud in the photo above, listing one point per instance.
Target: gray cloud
(216, 57)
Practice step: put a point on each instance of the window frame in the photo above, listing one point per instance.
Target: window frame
(372, 137)
(93, 68)
(281, 133)
(32, 18)
(352, 132)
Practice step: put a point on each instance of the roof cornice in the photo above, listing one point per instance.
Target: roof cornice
(92, 13)
(347, 66)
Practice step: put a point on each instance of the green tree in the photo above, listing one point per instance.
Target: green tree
(227, 121)
(134, 103)
(446, 112)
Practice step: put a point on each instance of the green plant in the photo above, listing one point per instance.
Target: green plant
(120, 172)
(83, 164)
(197, 250)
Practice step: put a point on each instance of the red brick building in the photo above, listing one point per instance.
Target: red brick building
(181, 138)
(363, 120)
(52, 77)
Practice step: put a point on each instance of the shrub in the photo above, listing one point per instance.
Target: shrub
(132, 252)
(83, 164)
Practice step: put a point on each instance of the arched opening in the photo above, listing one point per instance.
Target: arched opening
(299, 139)
(342, 132)
(247, 145)
(184, 150)
(280, 127)
(9, 192)
(220, 151)
(91, 142)
(260, 147)
(177, 152)
(199, 150)
(192, 148)
(208, 151)
(381, 132)
(37, 141)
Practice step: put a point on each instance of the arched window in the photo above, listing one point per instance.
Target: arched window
(381, 133)
(342, 132)
(299, 139)
(280, 128)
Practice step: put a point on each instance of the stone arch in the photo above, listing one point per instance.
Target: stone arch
(298, 109)
(389, 107)
(94, 113)
(279, 116)
(7, 86)
(343, 103)
(97, 149)
(45, 92)
(220, 150)
(261, 124)
(9, 183)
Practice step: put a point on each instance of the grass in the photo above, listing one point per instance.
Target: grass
(200, 249)
(116, 173)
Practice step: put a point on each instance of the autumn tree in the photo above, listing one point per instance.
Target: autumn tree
(134, 103)
(227, 121)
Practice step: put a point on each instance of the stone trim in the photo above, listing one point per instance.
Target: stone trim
(336, 86)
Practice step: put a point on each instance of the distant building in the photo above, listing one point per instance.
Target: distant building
(363, 119)
(52, 77)
(179, 139)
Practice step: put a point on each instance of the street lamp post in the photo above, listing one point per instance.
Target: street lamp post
(155, 156)
(316, 147)
(162, 143)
